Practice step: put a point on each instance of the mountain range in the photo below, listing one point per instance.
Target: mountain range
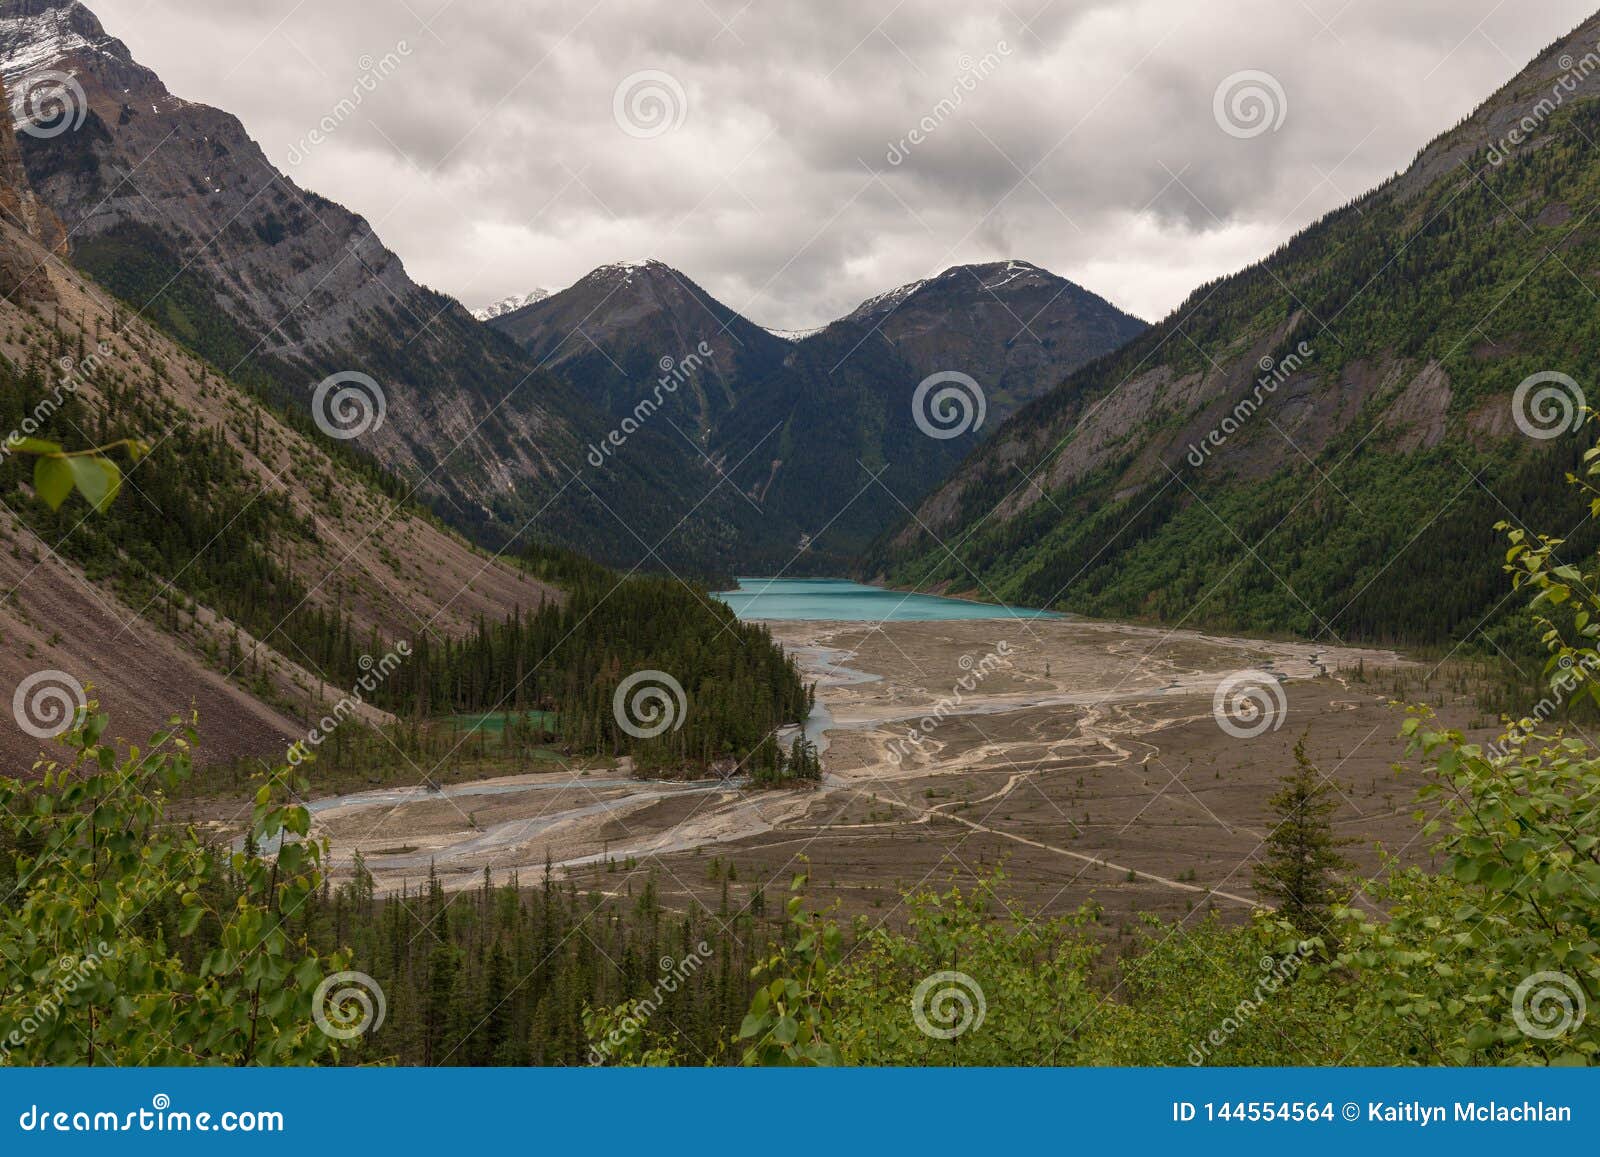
(1323, 442)
(1319, 444)
(172, 207)
(817, 433)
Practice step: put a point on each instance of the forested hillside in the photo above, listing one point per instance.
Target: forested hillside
(282, 572)
(258, 570)
(245, 543)
(1321, 443)
(563, 664)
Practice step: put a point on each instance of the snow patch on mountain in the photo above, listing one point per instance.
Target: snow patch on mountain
(510, 304)
(34, 43)
(794, 334)
(890, 299)
(1011, 271)
(627, 269)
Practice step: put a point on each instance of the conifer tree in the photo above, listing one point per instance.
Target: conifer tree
(1300, 865)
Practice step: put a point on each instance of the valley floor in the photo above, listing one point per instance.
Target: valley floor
(1091, 768)
(1084, 757)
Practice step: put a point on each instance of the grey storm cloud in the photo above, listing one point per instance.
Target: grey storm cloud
(813, 154)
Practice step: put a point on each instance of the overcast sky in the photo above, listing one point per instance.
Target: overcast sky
(765, 148)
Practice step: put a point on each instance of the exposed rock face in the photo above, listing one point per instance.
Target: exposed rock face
(143, 157)
(175, 208)
(137, 146)
(22, 273)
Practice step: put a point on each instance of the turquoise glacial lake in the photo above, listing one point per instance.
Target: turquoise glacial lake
(796, 600)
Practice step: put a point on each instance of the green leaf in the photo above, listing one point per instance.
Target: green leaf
(752, 1025)
(190, 920)
(1480, 1036)
(52, 481)
(98, 480)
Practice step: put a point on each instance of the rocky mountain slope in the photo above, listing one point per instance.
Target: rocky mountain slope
(624, 325)
(820, 434)
(1323, 442)
(241, 542)
(173, 207)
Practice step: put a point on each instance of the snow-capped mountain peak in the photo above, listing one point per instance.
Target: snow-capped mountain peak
(509, 304)
(37, 40)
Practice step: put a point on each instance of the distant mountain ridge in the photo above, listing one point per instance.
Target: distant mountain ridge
(1022, 324)
(818, 429)
(611, 331)
(509, 304)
